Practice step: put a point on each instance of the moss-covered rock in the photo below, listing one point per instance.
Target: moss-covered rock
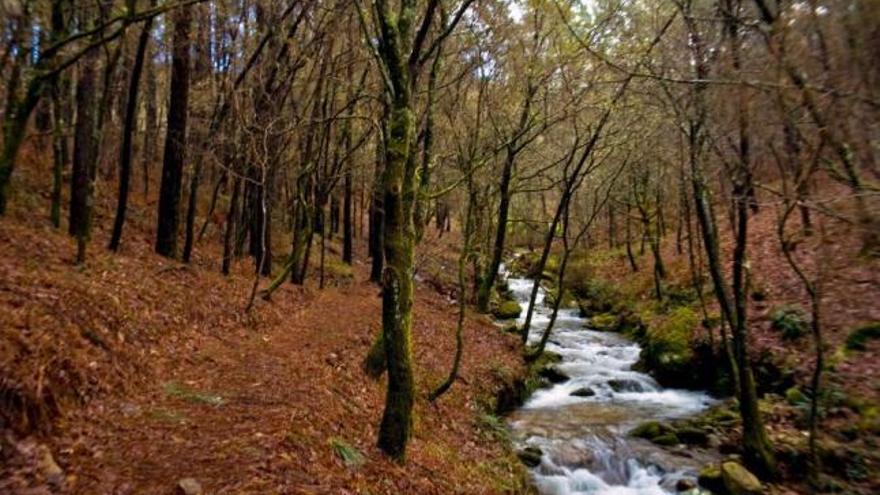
(604, 322)
(530, 456)
(859, 337)
(710, 479)
(568, 300)
(739, 480)
(596, 296)
(692, 436)
(647, 430)
(657, 432)
(518, 389)
(667, 440)
(507, 310)
(553, 374)
(667, 352)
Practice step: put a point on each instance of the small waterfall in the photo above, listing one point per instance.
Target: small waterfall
(581, 424)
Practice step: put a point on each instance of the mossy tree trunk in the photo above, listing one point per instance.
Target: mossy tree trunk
(403, 50)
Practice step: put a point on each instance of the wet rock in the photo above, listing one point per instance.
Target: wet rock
(507, 310)
(668, 439)
(530, 456)
(650, 430)
(693, 436)
(583, 392)
(625, 385)
(685, 484)
(738, 480)
(710, 479)
(572, 457)
(604, 322)
(553, 374)
(189, 486)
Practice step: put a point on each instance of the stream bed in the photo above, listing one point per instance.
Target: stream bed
(583, 437)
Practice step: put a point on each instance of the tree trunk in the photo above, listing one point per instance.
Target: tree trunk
(125, 152)
(347, 225)
(228, 236)
(397, 281)
(85, 155)
(488, 280)
(175, 139)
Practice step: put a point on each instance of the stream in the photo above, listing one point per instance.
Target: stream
(583, 439)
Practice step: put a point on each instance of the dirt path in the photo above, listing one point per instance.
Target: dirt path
(258, 411)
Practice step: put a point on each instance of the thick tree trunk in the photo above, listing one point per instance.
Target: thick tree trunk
(175, 138)
(398, 190)
(85, 155)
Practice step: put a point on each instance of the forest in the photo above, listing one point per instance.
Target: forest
(605, 247)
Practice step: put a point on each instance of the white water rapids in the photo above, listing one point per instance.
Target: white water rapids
(584, 439)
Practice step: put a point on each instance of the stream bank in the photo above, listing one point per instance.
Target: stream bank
(573, 430)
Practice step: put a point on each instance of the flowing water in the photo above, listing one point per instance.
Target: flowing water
(584, 439)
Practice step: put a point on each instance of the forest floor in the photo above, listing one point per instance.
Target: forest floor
(134, 372)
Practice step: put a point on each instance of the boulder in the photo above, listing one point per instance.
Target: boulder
(738, 480)
(693, 436)
(651, 429)
(507, 310)
(685, 484)
(584, 392)
(604, 322)
(710, 479)
(530, 456)
(666, 440)
(553, 374)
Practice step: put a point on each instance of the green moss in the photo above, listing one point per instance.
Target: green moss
(795, 397)
(650, 430)
(859, 337)
(516, 391)
(666, 345)
(349, 455)
(604, 322)
(568, 299)
(667, 440)
(339, 270)
(176, 390)
(710, 479)
(791, 321)
(596, 296)
(507, 310)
